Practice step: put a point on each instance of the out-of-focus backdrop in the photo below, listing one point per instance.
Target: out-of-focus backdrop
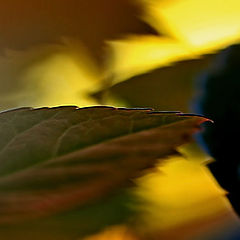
(130, 53)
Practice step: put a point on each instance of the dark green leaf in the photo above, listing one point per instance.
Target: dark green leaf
(54, 160)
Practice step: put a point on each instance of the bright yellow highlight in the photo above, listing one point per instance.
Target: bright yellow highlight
(180, 192)
(61, 80)
(206, 25)
(140, 54)
(49, 75)
(196, 28)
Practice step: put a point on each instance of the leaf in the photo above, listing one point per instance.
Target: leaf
(185, 35)
(53, 160)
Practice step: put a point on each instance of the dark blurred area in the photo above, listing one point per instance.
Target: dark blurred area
(219, 100)
(166, 88)
(30, 23)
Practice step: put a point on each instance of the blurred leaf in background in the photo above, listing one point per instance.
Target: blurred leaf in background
(53, 52)
(47, 75)
(55, 40)
(189, 30)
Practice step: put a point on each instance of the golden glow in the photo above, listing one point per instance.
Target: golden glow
(61, 81)
(113, 233)
(181, 191)
(180, 200)
(196, 28)
(140, 54)
(206, 25)
(49, 75)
